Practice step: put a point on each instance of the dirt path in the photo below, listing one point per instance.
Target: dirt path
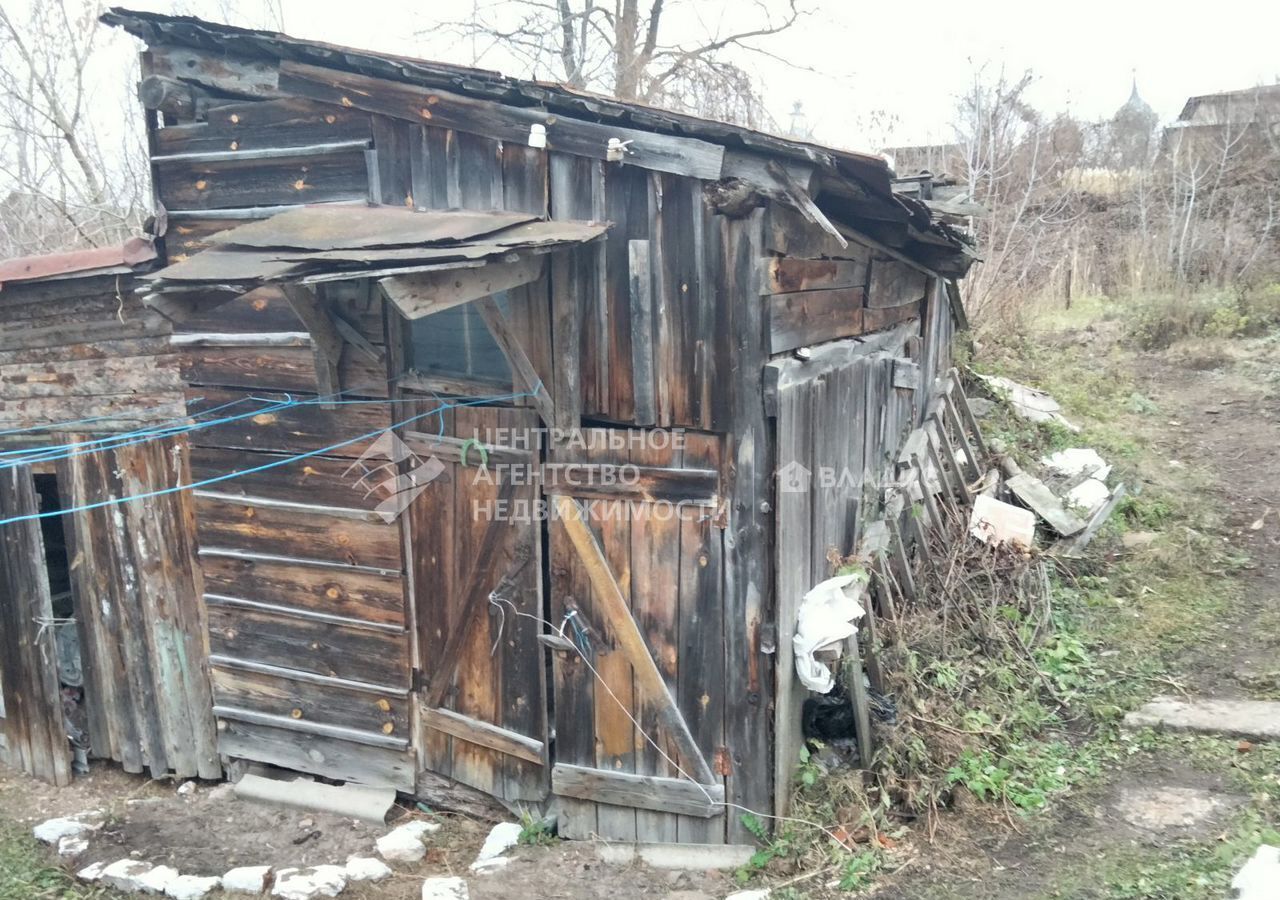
(1114, 837)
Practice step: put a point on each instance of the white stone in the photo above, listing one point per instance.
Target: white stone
(1089, 495)
(191, 887)
(366, 868)
(72, 846)
(1260, 876)
(445, 889)
(762, 894)
(54, 830)
(404, 844)
(91, 872)
(502, 837)
(187, 788)
(124, 874)
(307, 884)
(488, 866)
(246, 880)
(1077, 461)
(157, 880)
(420, 827)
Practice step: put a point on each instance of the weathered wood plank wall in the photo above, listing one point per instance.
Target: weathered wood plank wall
(82, 348)
(35, 740)
(136, 590)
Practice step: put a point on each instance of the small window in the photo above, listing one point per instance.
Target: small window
(456, 342)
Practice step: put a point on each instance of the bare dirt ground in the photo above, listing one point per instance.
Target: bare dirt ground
(1221, 410)
(210, 832)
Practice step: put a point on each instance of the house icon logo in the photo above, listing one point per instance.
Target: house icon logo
(381, 476)
(793, 478)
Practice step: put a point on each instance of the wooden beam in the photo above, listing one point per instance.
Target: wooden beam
(485, 735)
(326, 342)
(520, 363)
(679, 155)
(801, 200)
(425, 293)
(179, 306)
(245, 339)
(609, 598)
(670, 795)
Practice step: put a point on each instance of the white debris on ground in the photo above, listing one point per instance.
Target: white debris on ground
(366, 868)
(192, 887)
(1027, 402)
(1076, 461)
(187, 788)
(996, 522)
(72, 846)
(761, 894)
(310, 883)
(452, 888)
(91, 873)
(246, 880)
(129, 874)
(1260, 877)
(502, 837)
(1089, 495)
(52, 831)
(404, 843)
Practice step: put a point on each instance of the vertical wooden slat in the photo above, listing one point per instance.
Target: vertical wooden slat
(748, 546)
(28, 654)
(701, 689)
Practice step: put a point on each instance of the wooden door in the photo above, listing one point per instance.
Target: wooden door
(475, 552)
(135, 580)
(34, 736)
(641, 702)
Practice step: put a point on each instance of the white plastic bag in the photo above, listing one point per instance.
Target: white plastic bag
(825, 618)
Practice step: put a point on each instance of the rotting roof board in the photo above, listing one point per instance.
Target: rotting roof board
(352, 242)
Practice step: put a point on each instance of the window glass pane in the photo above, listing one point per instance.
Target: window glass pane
(456, 341)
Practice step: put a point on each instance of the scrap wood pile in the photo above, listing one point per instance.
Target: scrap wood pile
(958, 642)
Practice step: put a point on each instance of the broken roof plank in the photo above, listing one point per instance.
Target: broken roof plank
(421, 295)
(326, 227)
(1033, 494)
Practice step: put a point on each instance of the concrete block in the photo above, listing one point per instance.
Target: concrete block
(307, 884)
(445, 889)
(192, 887)
(52, 831)
(366, 868)
(1251, 720)
(404, 844)
(246, 880)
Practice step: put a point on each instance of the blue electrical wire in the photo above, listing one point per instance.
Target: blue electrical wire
(217, 479)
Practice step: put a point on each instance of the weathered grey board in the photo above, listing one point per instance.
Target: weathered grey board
(319, 755)
(138, 608)
(667, 795)
(35, 739)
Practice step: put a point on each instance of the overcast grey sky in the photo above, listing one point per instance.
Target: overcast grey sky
(909, 61)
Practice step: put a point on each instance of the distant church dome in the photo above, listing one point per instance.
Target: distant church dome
(1135, 106)
(1133, 130)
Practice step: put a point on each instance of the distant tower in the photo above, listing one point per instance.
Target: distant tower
(799, 127)
(1133, 130)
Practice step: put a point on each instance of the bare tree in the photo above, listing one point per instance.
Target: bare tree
(621, 49)
(61, 186)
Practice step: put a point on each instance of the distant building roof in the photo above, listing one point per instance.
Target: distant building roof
(1245, 105)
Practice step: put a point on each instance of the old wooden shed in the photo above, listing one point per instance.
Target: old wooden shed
(620, 350)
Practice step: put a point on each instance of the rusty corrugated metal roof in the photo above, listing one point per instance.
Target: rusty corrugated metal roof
(131, 253)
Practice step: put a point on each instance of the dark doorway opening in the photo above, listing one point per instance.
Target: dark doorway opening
(63, 623)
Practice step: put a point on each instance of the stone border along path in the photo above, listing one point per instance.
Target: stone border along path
(404, 843)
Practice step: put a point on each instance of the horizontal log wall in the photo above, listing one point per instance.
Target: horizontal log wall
(82, 348)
